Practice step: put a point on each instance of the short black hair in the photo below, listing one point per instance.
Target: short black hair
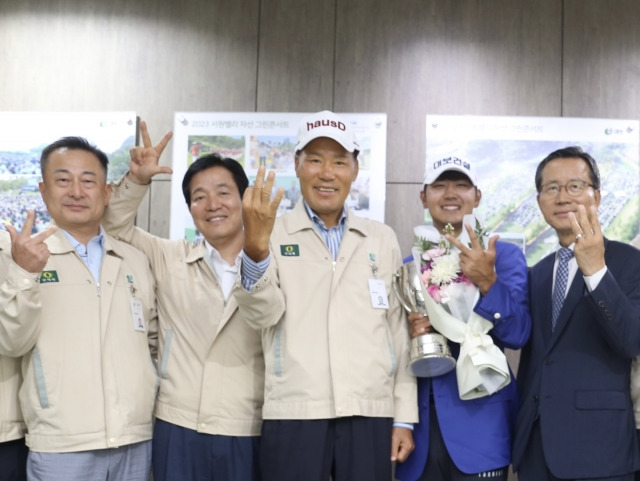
(214, 160)
(73, 143)
(567, 153)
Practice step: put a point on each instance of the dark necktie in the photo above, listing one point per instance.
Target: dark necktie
(560, 287)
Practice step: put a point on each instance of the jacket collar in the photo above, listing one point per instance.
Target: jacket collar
(197, 250)
(298, 220)
(59, 244)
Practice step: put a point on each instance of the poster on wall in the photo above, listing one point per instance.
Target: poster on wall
(26, 134)
(507, 150)
(255, 139)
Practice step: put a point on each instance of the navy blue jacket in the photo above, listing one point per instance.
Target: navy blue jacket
(578, 377)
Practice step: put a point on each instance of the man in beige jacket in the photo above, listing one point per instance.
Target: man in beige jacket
(13, 451)
(316, 282)
(211, 364)
(89, 380)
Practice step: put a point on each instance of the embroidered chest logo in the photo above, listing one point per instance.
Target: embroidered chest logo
(49, 276)
(290, 250)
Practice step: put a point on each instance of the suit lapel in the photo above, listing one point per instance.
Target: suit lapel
(574, 295)
(541, 285)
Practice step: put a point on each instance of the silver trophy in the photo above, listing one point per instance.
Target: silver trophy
(429, 355)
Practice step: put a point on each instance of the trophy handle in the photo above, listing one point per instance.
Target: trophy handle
(406, 284)
(400, 287)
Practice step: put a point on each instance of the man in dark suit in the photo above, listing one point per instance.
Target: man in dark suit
(576, 419)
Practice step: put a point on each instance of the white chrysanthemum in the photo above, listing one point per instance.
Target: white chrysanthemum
(445, 269)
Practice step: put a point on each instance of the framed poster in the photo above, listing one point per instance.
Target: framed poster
(506, 152)
(26, 134)
(269, 139)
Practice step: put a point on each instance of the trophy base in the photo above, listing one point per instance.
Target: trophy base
(430, 356)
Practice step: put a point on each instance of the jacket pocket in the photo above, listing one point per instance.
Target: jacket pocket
(393, 360)
(164, 362)
(277, 351)
(601, 400)
(41, 385)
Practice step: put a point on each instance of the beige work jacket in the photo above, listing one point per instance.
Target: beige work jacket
(11, 422)
(89, 380)
(210, 362)
(329, 351)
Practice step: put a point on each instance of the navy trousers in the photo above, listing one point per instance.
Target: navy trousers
(181, 454)
(345, 449)
(13, 460)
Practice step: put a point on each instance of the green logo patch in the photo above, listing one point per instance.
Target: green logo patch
(290, 250)
(49, 276)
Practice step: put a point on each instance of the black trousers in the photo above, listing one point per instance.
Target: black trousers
(13, 460)
(343, 449)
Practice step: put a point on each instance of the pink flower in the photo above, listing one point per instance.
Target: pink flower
(433, 253)
(426, 276)
(434, 292)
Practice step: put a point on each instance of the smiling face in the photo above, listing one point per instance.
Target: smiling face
(75, 191)
(216, 207)
(556, 210)
(326, 171)
(449, 198)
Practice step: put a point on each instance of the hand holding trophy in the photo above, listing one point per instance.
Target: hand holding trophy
(429, 354)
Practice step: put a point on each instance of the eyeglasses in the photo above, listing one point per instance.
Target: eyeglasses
(573, 188)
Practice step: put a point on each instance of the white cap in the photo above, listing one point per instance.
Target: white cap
(326, 124)
(437, 168)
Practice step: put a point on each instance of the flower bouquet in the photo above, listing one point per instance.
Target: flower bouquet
(449, 298)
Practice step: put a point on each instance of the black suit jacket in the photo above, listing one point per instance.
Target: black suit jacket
(578, 377)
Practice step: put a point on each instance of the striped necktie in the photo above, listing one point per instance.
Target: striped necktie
(562, 274)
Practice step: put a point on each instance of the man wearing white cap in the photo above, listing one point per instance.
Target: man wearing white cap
(469, 439)
(317, 282)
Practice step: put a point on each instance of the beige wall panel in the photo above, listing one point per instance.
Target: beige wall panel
(159, 221)
(601, 71)
(151, 56)
(296, 55)
(144, 210)
(409, 58)
(403, 211)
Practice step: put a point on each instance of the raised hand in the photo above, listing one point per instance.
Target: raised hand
(30, 253)
(589, 241)
(143, 164)
(476, 263)
(259, 214)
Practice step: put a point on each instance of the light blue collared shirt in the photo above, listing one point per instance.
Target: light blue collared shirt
(252, 271)
(92, 253)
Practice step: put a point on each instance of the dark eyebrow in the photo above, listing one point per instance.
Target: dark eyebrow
(216, 186)
(66, 171)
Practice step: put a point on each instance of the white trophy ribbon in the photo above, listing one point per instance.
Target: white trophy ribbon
(481, 368)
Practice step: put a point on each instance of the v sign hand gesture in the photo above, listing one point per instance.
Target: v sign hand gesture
(30, 253)
(476, 263)
(144, 160)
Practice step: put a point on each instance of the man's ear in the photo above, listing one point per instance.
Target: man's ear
(478, 197)
(423, 196)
